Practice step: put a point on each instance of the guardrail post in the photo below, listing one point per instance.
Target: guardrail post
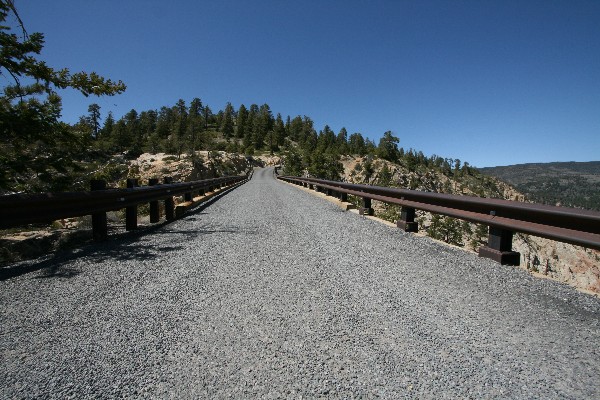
(366, 208)
(407, 220)
(343, 197)
(99, 221)
(499, 247)
(169, 203)
(154, 210)
(131, 211)
(329, 192)
(187, 196)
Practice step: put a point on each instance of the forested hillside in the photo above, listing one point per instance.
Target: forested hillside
(571, 184)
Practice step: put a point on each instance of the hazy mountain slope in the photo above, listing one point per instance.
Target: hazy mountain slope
(574, 184)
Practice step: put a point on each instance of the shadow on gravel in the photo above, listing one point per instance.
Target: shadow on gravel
(58, 266)
(124, 246)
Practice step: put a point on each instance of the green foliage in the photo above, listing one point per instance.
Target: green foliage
(385, 176)
(249, 151)
(388, 147)
(389, 212)
(325, 166)
(94, 119)
(368, 169)
(479, 237)
(37, 152)
(449, 230)
(241, 121)
(292, 163)
(356, 144)
(111, 173)
(227, 124)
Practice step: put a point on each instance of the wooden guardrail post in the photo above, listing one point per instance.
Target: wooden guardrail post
(343, 197)
(366, 208)
(499, 247)
(169, 203)
(154, 210)
(131, 211)
(407, 220)
(99, 221)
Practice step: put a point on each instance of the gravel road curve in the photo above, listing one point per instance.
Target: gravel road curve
(272, 292)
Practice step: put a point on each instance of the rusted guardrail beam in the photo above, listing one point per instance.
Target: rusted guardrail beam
(552, 215)
(22, 209)
(503, 217)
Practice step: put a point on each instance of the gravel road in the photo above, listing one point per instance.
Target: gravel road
(272, 292)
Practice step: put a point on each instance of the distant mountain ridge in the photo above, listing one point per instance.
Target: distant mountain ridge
(572, 184)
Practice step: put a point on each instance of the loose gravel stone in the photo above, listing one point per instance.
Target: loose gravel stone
(271, 292)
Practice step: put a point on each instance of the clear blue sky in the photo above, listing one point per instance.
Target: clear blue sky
(488, 82)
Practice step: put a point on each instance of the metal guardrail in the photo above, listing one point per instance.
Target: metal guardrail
(21, 209)
(503, 217)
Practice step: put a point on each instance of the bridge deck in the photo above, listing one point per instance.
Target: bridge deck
(271, 292)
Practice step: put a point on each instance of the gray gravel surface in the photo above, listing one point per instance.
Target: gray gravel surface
(272, 292)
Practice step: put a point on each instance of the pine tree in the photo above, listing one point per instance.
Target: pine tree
(242, 117)
(263, 123)
(385, 176)
(325, 166)
(356, 144)
(227, 123)
(388, 147)
(94, 119)
(292, 163)
(279, 129)
(447, 229)
(341, 141)
(295, 129)
(308, 136)
(109, 122)
(180, 140)
(37, 151)
(287, 126)
(209, 117)
(195, 126)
